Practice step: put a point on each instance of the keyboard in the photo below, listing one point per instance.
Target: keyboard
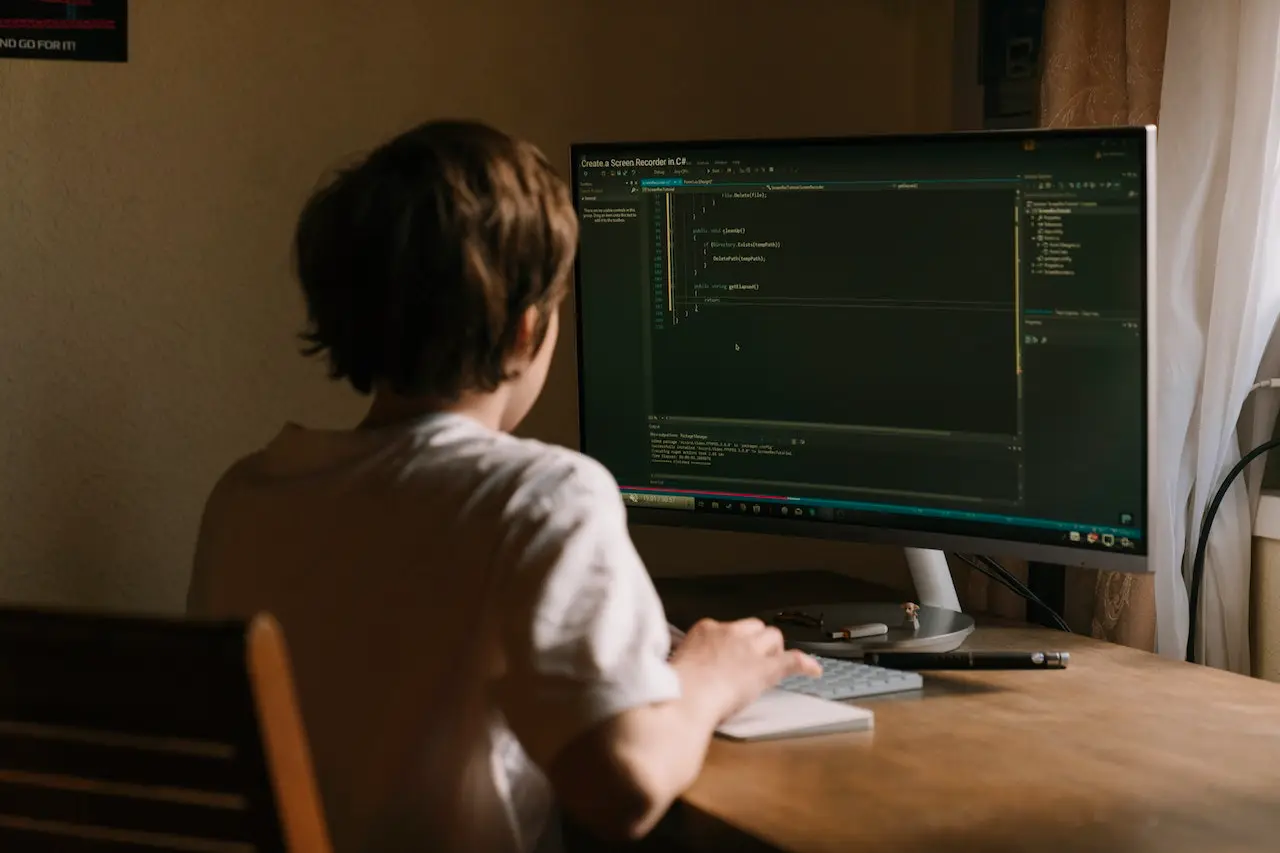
(848, 679)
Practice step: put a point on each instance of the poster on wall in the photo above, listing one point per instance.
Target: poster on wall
(75, 30)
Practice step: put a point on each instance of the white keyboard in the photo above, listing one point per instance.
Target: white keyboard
(848, 679)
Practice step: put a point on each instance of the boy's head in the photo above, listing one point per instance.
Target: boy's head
(435, 268)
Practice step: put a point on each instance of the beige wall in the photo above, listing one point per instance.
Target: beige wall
(146, 309)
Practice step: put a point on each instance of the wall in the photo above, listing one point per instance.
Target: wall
(146, 309)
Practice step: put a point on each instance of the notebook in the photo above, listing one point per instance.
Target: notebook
(781, 713)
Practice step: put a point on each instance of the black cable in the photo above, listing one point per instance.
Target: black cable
(1013, 580)
(989, 574)
(1001, 576)
(1013, 583)
(1028, 594)
(1009, 581)
(1202, 542)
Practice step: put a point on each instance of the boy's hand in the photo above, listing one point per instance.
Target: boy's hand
(731, 663)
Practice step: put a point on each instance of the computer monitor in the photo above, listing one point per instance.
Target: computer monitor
(935, 341)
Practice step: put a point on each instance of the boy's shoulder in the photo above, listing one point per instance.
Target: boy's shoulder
(522, 486)
(445, 453)
(554, 472)
(521, 472)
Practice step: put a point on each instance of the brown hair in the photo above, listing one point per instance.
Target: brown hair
(418, 264)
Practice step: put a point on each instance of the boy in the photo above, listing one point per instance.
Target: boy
(471, 627)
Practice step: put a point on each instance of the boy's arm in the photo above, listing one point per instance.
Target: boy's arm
(652, 754)
(618, 778)
(588, 689)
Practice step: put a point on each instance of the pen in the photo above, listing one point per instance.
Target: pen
(968, 660)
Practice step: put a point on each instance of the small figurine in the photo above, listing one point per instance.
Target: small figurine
(911, 613)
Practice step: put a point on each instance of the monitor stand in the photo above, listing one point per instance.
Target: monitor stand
(932, 578)
(939, 627)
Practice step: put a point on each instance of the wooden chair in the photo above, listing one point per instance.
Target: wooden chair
(132, 734)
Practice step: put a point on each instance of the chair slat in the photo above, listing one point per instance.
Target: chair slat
(212, 769)
(119, 634)
(22, 835)
(100, 805)
(158, 697)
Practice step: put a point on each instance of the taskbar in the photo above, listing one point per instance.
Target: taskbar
(1111, 538)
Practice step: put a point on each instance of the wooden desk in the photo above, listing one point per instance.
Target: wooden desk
(1123, 752)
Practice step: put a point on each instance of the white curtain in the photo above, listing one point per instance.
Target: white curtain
(1218, 298)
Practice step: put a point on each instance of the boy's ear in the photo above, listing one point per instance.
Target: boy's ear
(527, 334)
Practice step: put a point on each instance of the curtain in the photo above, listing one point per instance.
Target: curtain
(1218, 302)
(1103, 64)
(1211, 72)
(1217, 285)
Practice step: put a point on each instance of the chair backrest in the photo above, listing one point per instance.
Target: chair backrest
(122, 734)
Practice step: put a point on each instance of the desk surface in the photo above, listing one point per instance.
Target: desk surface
(1123, 752)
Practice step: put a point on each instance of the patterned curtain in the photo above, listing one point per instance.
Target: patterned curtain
(1103, 65)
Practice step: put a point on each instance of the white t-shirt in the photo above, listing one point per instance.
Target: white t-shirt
(459, 604)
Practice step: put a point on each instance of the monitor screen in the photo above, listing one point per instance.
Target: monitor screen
(939, 341)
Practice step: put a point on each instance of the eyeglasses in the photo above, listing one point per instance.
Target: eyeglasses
(798, 618)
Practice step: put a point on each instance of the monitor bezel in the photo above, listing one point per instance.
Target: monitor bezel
(889, 533)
